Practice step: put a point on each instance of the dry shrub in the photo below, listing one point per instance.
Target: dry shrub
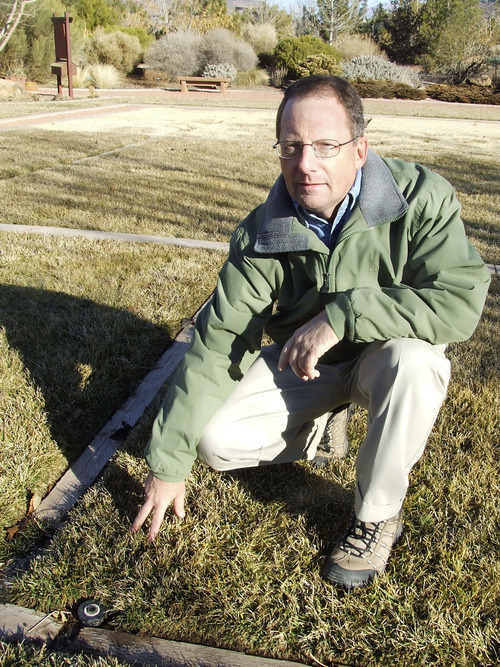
(221, 46)
(262, 37)
(176, 54)
(351, 46)
(105, 76)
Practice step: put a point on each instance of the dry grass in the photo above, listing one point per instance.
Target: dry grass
(24, 655)
(172, 187)
(242, 571)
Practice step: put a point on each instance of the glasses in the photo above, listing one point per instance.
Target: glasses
(322, 148)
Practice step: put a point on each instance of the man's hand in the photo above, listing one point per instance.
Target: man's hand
(307, 345)
(157, 497)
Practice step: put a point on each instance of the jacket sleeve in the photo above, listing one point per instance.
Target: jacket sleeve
(440, 291)
(227, 337)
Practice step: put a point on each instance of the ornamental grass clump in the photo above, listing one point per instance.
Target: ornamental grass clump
(105, 76)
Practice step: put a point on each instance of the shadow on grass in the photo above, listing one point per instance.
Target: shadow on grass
(325, 504)
(83, 356)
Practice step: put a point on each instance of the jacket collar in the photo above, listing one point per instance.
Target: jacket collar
(380, 200)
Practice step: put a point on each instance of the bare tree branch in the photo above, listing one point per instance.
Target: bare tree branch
(15, 14)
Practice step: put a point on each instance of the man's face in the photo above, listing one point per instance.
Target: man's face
(320, 184)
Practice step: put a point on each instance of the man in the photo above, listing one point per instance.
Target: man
(359, 269)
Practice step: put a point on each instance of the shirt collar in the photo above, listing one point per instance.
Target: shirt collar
(347, 205)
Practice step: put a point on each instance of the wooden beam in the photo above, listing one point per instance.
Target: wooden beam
(90, 464)
(20, 623)
(153, 651)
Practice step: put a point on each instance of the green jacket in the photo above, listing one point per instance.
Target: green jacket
(402, 268)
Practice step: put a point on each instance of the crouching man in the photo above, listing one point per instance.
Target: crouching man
(359, 270)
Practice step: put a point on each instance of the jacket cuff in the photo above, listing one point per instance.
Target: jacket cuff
(341, 317)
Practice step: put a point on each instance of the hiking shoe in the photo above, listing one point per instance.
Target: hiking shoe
(362, 553)
(334, 444)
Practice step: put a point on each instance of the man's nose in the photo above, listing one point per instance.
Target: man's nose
(307, 159)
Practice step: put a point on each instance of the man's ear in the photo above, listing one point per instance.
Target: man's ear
(361, 151)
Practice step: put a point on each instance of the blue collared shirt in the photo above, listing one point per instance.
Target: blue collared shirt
(327, 231)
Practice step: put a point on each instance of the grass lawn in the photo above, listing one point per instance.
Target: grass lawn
(82, 321)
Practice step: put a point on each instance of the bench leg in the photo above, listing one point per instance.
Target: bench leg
(184, 88)
(223, 86)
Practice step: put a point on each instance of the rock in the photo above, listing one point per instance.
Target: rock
(10, 90)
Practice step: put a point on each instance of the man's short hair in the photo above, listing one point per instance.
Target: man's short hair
(321, 85)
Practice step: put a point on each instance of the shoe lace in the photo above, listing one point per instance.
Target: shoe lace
(362, 538)
(325, 442)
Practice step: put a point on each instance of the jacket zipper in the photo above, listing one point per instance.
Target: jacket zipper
(325, 289)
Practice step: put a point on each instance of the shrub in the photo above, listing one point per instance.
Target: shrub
(376, 68)
(252, 78)
(351, 46)
(117, 48)
(219, 45)
(142, 34)
(103, 75)
(466, 94)
(388, 90)
(318, 64)
(292, 51)
(262, 37)
(176, 54)
(222, 70)
(278, 76)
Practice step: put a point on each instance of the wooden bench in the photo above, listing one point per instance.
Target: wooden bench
(203, 82)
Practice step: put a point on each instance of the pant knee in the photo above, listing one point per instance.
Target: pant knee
(210, 448)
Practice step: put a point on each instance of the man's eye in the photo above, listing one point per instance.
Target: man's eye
(291, 148)
(326, 145)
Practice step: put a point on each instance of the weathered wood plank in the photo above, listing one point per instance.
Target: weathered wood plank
(154, 651)
(87, 468)
(20, 623)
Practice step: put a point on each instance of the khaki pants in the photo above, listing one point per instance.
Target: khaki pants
(274, 417)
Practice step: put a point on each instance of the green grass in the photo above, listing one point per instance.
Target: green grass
(242, 570)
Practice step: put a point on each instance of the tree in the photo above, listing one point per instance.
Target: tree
(337, 16)
(96, 13)
(188, 15)
(264, 13)
(457, 35)
(401, 34)
(10, 19)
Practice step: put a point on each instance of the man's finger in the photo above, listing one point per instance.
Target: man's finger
(141, 517)
(284, 356)
(179, 507)
(156, 522)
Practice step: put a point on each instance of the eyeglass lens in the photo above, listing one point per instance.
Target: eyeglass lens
(322, 148)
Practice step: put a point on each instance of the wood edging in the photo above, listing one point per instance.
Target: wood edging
(19, 624)
(115, 236)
